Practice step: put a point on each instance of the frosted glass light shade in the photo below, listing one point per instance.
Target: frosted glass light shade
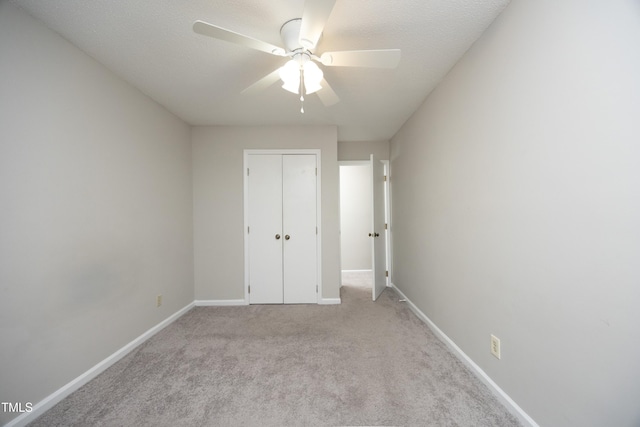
(311, 88)
(291, 72)
(292, 86)
(312, 77)
(290, 76)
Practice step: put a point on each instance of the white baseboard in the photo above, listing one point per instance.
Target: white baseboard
(357, 271)
(219, 302)
(54, 398)
(497, 391)
(330, 301)
(237, 302)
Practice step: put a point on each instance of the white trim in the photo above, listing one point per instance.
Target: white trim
(387, 214)
(330, 301)
(353, 163)
(319, 224)
(497, 391)
(64, 391)
(219, 302)
(357, 271)
(245, 165)
(245, 192)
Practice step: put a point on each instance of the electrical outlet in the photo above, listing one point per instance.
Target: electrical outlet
(495, 346)
(158, 300)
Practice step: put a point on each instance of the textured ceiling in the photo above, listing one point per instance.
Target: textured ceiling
(151, 45)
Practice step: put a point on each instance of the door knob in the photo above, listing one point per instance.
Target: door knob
(376, 234)
(370, 235)
(277, 237)
(287, 237)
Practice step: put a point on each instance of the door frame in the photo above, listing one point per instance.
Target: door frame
(378, 183)
(387, 203)
(387, 208)
(245, 164)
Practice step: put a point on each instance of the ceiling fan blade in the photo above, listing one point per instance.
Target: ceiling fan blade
(263, 83)
(314, 17)
(327, 95)
(381, 58)
(220, 33)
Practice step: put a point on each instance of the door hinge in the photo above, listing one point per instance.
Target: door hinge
(385, 226)
(386, 273)
(316, 171)
(248, 230)
(247, 171)
(316, 289)
(316, 230)
(385, 178)
(249, 291)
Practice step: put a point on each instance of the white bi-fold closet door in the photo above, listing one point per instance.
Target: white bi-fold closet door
(282, 228)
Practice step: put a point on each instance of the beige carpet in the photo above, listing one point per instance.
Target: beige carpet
(358, 363)
(358, 279)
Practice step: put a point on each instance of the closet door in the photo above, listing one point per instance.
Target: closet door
(299, 228)
(265, 229)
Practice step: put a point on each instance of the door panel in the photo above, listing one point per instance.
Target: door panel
(299, 223)
(265, 222)
(378, 247)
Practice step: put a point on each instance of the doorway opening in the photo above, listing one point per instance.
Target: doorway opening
(358, 234)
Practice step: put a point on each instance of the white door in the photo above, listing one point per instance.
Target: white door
(299, 228)
(282, 228)
(378, 251)
(265, 229)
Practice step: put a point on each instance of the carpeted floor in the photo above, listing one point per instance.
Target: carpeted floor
(358, 278)
(358, 363)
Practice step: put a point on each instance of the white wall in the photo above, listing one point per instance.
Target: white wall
(355, 216)
(361, 150)
(218, 203)
(95, 211)
(522, 171)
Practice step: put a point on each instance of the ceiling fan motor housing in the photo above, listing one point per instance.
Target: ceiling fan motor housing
(290, 34)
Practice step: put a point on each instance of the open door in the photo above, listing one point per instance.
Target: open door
(378, 251)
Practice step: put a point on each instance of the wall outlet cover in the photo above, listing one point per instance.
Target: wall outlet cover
(495, 346)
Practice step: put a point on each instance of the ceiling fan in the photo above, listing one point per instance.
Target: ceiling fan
(301, 75)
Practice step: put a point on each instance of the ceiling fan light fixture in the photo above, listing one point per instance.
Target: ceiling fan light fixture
(290, 76)
(290, 71)
(312, 77)
(293, 87)
(311, 88)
